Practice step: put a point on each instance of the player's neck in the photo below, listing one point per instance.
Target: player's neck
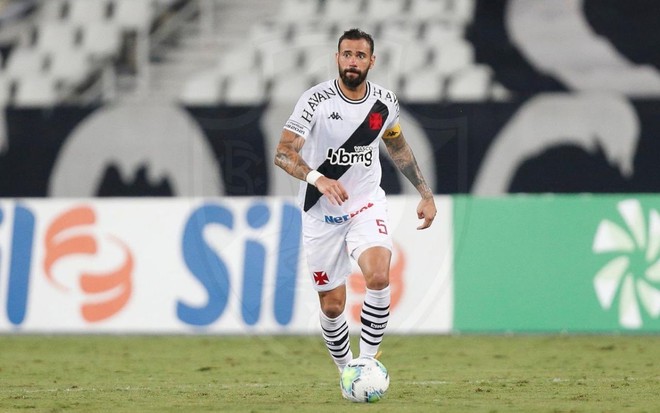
(353, 93)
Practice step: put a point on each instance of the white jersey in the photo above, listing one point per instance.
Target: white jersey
(342, 139)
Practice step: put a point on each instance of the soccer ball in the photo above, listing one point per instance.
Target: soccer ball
(364, 380)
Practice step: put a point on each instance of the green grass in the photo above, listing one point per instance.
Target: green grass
(289, 373)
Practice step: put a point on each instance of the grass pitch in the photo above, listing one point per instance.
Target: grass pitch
(290, 373)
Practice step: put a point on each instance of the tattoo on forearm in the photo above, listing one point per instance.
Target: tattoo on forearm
(405, 161)
(288, 158)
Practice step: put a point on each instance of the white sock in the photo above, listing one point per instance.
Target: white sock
(335, 334)
(374, 317)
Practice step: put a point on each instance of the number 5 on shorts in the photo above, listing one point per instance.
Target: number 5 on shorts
(382, 228)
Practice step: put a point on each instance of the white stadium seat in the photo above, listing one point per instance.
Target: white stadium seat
(340, 10)
(442, 32)
(24, 61)
(101, 40)
(386, 78)
(289, 88)
(292, 11)
(458, 11)
(384, 10)
(402, 32)
(69, 66)
(133, 14)
(246, 88)
(424, 86)
(426, 9)
(238, 60)
(265, 32)
(408, 59)
(87, 11)
(471, 84)
(451, 57)
(281, 60)
(318, 35)
(320, 62)
(36, 91)
(51, 10)
(204, 88)
(55, 35)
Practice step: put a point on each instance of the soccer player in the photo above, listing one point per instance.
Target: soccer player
(331, 143)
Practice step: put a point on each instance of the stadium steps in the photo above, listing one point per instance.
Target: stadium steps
(202, 42)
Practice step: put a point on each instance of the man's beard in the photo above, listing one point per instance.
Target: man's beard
(353, 82)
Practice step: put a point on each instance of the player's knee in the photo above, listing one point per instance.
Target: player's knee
(378, 281)
(332, 309)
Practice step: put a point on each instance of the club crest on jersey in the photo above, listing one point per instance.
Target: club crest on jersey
(321, 277)
(360, 154)
(375, 121)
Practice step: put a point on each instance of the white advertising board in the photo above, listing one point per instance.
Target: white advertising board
(192, 265)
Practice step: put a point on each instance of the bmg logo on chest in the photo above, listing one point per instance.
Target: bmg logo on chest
(360, 154)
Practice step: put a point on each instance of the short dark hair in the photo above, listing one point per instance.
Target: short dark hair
(357, 34)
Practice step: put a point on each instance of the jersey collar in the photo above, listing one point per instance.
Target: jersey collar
(362, 100)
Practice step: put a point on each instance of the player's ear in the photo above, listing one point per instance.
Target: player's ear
(373, 61)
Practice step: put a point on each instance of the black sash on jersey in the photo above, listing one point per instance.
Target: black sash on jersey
(364, 135)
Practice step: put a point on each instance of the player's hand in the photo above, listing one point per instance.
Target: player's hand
(332, 189)
(426, 210)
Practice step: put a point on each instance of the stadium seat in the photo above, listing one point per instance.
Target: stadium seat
(461, 11)
(101, 40)
(35, 91)
(319, 61)
(366, 25)
(457, 11)
(408, 59)
(133, 14)
(204, 88)
(69, 66)
(424, 86)
(279, 60)
(340, 10)
(471, 84)
(385, 77)
(264, 32)
(315, 35)
(422, 10)
(384, 10)
(247, 88)
(51, 10)
(402, 32)
(289, 88)
(87, 12)
(25, 61)
(238, 60)
(453, 56)
(54, 35)
(442, 32)
(292, 11)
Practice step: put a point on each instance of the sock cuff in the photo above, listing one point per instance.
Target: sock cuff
(379, 298)
(339, 320)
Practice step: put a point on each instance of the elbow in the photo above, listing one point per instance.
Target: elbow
(278, 159)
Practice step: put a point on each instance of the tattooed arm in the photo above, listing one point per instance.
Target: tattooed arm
(405, 161)
(288, 158)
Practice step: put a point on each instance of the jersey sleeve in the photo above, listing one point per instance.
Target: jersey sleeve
(302, 119)
(393, 128)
